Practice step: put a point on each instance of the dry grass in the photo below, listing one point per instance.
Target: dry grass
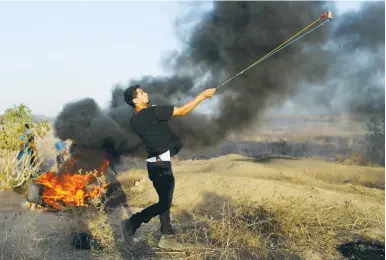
(356, 159)
(287, 229)
(314, 172)
(14, 173)
(307, 210)
(219, 227)
(49, 235)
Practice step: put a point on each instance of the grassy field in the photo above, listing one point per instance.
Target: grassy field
(230, 206)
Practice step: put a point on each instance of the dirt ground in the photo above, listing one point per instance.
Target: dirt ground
(203, 186)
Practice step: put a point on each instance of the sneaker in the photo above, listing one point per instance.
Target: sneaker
(169, 242)
(128, 230)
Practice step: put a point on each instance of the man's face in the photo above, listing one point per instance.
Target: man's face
(142, 97)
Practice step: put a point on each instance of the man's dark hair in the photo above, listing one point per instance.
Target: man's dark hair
(26, 126)
(130, 94)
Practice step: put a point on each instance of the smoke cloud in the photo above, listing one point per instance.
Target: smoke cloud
(360, 60)
(355, 83)
(228, 39)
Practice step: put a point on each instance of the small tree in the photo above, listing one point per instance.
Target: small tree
(375, 140)
(16, 171)
(12, 127)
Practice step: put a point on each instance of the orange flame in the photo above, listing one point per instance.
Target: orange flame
(70, 189)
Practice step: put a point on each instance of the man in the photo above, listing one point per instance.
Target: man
(24, 148)
(151, 124)
(27, 146)
(60, 149)
(32, 144)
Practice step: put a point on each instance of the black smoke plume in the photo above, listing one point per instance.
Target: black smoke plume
(355, 83)
(360, 65)
(226, 40)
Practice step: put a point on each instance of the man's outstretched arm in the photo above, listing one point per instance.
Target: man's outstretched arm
(188, 107)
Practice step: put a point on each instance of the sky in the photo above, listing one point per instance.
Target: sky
(52, 53)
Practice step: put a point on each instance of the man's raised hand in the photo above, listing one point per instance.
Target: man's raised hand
(208, 92)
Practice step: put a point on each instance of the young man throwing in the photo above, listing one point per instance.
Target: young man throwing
(151, 125)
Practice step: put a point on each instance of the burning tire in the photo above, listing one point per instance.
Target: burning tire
(35, 193)
(53, 191)
(85, 241)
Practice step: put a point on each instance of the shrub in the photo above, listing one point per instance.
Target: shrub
(16, 169)
(16, 173)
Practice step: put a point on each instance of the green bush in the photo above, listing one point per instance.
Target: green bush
(12, 127)
(16, 172)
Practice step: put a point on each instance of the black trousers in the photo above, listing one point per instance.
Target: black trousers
(161, 174)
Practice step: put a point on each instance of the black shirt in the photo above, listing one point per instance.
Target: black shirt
(151, 124)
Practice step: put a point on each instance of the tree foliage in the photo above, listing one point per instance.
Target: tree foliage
(12, 126)
(375, 140)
